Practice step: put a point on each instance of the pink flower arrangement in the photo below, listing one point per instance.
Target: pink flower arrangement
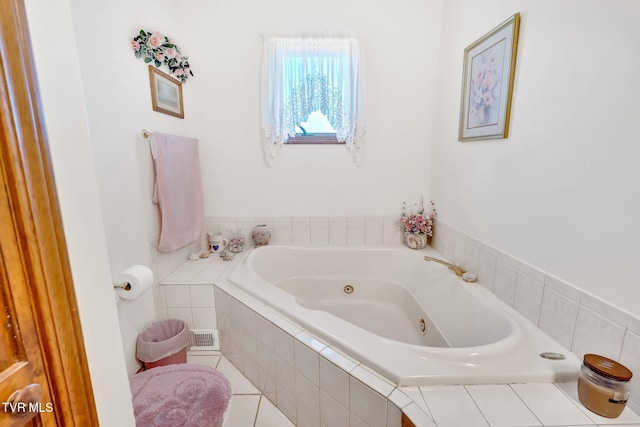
(419, 222)
(158, 49)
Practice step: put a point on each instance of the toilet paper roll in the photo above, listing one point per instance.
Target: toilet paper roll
(138, 277)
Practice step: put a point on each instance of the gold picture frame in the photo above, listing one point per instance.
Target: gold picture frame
(166, 93)
(487, 83)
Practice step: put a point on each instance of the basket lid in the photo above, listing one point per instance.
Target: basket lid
(607, 367)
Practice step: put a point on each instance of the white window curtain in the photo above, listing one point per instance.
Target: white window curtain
(303, 75)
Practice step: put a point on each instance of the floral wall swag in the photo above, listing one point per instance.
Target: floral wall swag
(158, 49)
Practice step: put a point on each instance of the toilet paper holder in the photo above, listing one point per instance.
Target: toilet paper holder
(126, 286)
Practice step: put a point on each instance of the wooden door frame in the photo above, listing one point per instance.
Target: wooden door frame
(26, 165)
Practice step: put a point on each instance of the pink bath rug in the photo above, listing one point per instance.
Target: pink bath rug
(180, 395)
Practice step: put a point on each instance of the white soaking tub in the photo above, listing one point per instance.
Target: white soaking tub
(373, 304)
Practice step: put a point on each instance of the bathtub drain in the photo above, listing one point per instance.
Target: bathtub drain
(348, 289)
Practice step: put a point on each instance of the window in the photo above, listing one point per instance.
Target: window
(315, 130)
(311, 93)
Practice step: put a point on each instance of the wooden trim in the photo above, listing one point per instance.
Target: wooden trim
(26, 164)
(406, 422)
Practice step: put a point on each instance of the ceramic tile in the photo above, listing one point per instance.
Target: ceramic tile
(310, 341)
(267, 385)
(332, 413)
(399, 398)
(630, 358)
(391, 232)
(356, 422)
(301, 231)
(319, 231)
(340, 359)
(550, 405)
(501, 406)
(366, 404)
(504, 286)
(373, 380)
(264, 332)
(452, 406)
(487, 270)
(373, 230)
(307, 362)
(307, 394)
(627, 416)
(394, 415)
(244, 409)
(183, 314)
(337, 231)
(416, 395)
(355, 230)
(335, 382)
(284, 346)
(418, 416)
(528, 298)
(597, 334)
(305, 418)
(471, 261)
(248, 320)
(239, 384)
(562, 287)
(177, 296)
(266, 360)
(282, 232)
(286, 403)
(558, 316)
(634, 324)
(605, 309)
(270, 416)
(285, 376)
(204, 318)
(208, 360)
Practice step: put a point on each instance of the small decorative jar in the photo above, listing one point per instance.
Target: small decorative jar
(236, 243)
(416, 240)
(603, 385)
(261, 234)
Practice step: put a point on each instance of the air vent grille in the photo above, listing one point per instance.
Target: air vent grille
(203, 339)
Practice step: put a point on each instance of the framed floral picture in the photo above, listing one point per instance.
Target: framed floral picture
(487, 83)
(166, 93)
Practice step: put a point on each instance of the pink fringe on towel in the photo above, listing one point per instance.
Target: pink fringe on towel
(177, 190)
(180, 395)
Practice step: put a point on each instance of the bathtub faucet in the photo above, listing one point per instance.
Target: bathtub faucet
(465, 275)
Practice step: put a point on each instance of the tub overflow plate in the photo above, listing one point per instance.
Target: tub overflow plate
(423, 327)
(348, 289)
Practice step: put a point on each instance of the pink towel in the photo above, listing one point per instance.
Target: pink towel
(177, 190)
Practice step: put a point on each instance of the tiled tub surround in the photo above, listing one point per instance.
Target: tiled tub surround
(315, 384)
(577, 320)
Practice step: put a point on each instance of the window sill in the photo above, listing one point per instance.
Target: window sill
(315, 138)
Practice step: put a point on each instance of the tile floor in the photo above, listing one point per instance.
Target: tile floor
(249, 408)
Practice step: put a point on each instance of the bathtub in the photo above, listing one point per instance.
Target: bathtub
(411, 320)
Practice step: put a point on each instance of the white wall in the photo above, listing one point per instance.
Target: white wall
(401, 42)
(223, 41)
(561, 193)
(64, 110)
(118, 100)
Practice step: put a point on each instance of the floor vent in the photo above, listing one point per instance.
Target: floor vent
(203, 339)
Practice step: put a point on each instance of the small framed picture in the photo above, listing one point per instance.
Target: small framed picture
(487, 83)
(166, 93)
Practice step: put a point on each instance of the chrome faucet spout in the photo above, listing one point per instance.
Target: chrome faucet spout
(466, 276)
